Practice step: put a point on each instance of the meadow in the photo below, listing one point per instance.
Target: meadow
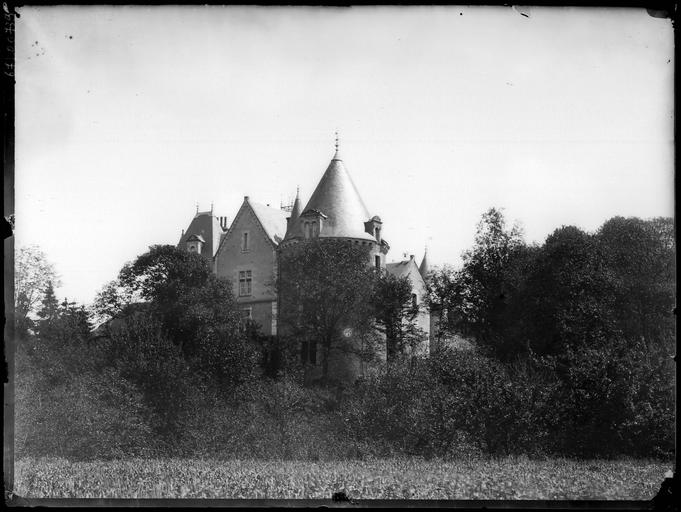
(492, 478)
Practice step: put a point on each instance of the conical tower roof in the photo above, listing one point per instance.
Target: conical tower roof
(336, 196)
(293, 228)
(424, 268)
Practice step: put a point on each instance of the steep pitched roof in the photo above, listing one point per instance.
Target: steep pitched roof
(424, 267)
(400, 268)
(273, 220)
(293, 226)
(336, 196)
(207, 226)
(405, 268)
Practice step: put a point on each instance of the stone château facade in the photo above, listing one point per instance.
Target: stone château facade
(247, 250)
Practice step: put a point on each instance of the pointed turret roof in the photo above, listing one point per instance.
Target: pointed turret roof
(293, 227)
(424, 268)
(336, 197)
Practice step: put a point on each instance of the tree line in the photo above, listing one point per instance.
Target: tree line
(571, 354)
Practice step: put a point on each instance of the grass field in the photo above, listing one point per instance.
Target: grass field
(509, 478)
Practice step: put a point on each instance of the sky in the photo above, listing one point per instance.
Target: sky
(127, 117)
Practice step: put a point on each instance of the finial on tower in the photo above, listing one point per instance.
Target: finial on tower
(211, 207)
(337, 144)
(197, 207)
(297, 191)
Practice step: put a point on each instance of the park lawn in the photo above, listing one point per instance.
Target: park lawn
(505, 478)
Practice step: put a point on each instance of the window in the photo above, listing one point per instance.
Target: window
(313, 352)
(308, 352)
(414, 301)
(247, 314)
(245, 282)
(377, 259)
(303, 352)
(244, 242)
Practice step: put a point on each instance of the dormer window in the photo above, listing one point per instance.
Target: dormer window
(311, 222)
(373, 227)
(195, 243)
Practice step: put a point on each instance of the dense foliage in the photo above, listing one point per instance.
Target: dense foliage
(572, 355)
(325, 286)
(33, 273)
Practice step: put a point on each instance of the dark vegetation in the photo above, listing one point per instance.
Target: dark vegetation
(572, 356)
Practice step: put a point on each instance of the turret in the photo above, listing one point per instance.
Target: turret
(424, 268)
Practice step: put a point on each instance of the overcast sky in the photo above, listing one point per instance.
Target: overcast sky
(126, 117)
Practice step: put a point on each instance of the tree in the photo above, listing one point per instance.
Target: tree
(50, 304)
(484, 286)
(639, 256)
(180, 289)
(32, 273)
(444, 294)
(195, 310)
(325, 286)
(395, 314)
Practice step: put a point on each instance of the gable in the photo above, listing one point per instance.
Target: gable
(407, 268)
(258, 220)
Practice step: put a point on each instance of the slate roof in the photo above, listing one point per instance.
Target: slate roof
(273, 220)
(207, 226)
(400, 268)
(405, 268)
(293, 227)
(424, 267)
(337, 197)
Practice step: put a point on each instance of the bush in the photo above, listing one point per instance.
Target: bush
(616, 399)
(451, 403)
(281, 419)
(89, 416)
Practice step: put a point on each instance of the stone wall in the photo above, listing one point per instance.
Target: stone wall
(259, 258)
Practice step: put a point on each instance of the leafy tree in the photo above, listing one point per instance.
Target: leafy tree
(143, 355)
(396, 314)
(640, 257)
(325, 286)
(444, 295)
(194, 310)
(32, 273)
(483, 284)
(566, 297)
(180, 289)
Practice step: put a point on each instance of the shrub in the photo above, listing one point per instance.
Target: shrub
(89, 416)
